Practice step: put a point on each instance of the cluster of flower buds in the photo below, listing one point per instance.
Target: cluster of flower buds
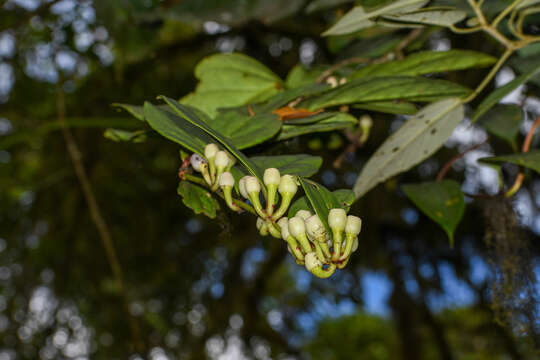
(311, 245)
(306, 236)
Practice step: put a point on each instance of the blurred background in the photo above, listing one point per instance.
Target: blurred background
(182, 286)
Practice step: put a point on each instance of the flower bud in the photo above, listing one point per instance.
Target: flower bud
(210, 151)
(226, 179)
(287, 185)
(259, 223)
(222, 160)
(284, 225)
(353, 225)
(252, 185)
(304, 214)
(242, 187)
(332, 81)
(337, 218)
(271, 176)
(355, 244)
(315, 229)
(196, 160)
(297, 227)
(312, 261)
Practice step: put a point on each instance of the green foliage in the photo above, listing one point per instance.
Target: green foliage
(427, 62)
(442, 201)
(300, 164)
(503, 121)
(328, 121)
(344, 196)
(197, 198)
(414, 141)
(504, 90)
(429, 16)
(228, 80)
(321, 200)
(529, 159)
(386, 88)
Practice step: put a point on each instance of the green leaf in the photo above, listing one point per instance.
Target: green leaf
(320, 199)
(299, 164)
(527, 3)
(198, 199)
(426, 62)
(417, 139)
(285, 97)
(136, 110)
(386, 88)
(503, 121)
(300, 76)
(191, 116)
(176, 128)
(430, 16)
(443, 202)
(119, 135)
(313, 119)
(390, 107)
(344, 196)
(358, 19)
(504, 90)
(245, 131)
(529, 159)
(337, 121)
(228, 80)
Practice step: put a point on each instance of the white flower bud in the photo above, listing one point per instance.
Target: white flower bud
(304, 214)
(312, 261)
(252, 185)
(284, 225)
(297, 227)
(337, 218)
(196, 160)
(210, 151)
(332, 81)
(315, 228)
(353, 225)
(287, 184)
(271, 176)
(226, 179)
(366, 122)
(342, 81)
(242, 187)
(222, 159)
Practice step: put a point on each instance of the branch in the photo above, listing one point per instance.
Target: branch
(451, 162)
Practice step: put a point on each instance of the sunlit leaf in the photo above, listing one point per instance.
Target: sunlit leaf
(503, 121)
(430, 16)
(198, 199)
(417, 139)
(386, 88)
(426, 62)
(504, 90)
(358, 19)
(443, 202)
(228, 80)
(529, 159)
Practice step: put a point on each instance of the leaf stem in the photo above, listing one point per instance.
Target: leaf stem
(525, 148)
(451, 162)
(489, 76)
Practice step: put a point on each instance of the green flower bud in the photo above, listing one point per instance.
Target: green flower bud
(312, 261)
(297, 229)
(226, 182)
(222, 160)
(196, 160)
(261, 226)
(317, 234)
(287, 188)
(242, 187)
(253, 188)
(210, 151)
(315, 266)
(271, 180)
(291, 241)
(304, 214)
(352, 229)
(284, 225)
(337, 219)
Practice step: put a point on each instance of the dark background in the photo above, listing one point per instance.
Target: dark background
(197, 288)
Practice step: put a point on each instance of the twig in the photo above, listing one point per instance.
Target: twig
(524, 148)
(451, 162)
(95, 212)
